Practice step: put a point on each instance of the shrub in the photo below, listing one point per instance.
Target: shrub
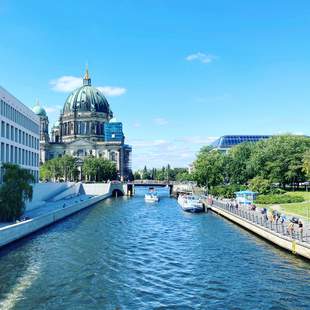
(226, 191)
(273, 199)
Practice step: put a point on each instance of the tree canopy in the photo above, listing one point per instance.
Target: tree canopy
(280, 160)
(14, 192)
(99, 169)
(164, 174)
(65, 168)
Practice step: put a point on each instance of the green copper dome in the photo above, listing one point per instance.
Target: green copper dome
(87, 99)
(39, 110)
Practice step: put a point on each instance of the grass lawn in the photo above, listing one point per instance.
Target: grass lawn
(299, 209)
(306, 195)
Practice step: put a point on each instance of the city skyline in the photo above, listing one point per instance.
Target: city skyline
(178, 75)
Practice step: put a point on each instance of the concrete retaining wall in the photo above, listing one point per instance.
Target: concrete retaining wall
(43, 192)
(73, 190)
(14, 232)
(290, 245)
(96, 188)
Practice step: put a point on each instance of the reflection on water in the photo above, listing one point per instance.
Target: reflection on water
(128, 254)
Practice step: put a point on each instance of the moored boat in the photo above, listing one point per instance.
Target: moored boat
(190, 203)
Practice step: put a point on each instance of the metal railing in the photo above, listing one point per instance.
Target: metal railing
(274, 226)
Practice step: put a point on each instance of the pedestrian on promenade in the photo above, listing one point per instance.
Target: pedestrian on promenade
(290, 228)
(283, 218)
(301, 229)
(271, 217)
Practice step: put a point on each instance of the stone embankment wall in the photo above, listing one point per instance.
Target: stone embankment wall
(290, 245)
(96, 192)
(16, 231)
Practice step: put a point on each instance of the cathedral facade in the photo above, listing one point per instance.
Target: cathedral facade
(85, 128)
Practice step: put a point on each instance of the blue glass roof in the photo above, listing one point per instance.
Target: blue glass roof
(226, 142)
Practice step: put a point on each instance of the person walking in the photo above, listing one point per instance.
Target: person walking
(301, 229)
(290, 228)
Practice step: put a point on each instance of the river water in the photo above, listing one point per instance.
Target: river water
(126, 254)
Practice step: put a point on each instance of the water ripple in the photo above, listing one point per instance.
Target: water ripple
(125, 254)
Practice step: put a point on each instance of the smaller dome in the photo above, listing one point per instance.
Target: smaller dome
(56, 124)
(39, 110)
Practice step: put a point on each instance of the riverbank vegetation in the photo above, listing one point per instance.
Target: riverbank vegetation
(280, 162)
(14, 192)
(275, 168)
(164, 174)
(278, 199)
(66, 168)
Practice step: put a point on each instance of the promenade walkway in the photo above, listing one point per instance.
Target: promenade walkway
(268, 227)
(265, 220)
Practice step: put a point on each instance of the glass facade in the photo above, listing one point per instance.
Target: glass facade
(19, 135)
(227, 142)
(113, 132)
(127, 159)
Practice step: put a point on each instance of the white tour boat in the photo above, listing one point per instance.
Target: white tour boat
(190, 203)
(151, 196)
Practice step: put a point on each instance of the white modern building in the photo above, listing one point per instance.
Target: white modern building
(19, 134)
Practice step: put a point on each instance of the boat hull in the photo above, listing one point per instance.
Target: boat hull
(190, 206)
(149, 198)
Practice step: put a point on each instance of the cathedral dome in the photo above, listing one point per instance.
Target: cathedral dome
(87, 99)
(38, 110)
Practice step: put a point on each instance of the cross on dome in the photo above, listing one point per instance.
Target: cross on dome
(87, 79)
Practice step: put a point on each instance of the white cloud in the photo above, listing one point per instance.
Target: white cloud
(53, 109)
(160, 121)
(148, 143)
(160, 152)
(136, 125)
(66, 83)
(112, 91)
(204, 58)
(197, 140)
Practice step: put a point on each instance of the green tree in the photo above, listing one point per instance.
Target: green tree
(209, 168)
(137, 175)
(146, 174)
(68, 167)
(260, 185)
(236, 163)
(14, 192)
(51, 170)
(280, 159)
(306, 163)
(99, 169)
(184, 176)
(89, 169)
(64, 167)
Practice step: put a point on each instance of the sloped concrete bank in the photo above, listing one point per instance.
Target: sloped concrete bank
(17, 231)
(288, 244)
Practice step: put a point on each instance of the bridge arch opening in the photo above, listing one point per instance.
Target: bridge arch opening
(117, 193)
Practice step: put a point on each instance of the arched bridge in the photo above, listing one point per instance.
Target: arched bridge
(153, 183)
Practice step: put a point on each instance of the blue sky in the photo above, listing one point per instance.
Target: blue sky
(177, 73)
